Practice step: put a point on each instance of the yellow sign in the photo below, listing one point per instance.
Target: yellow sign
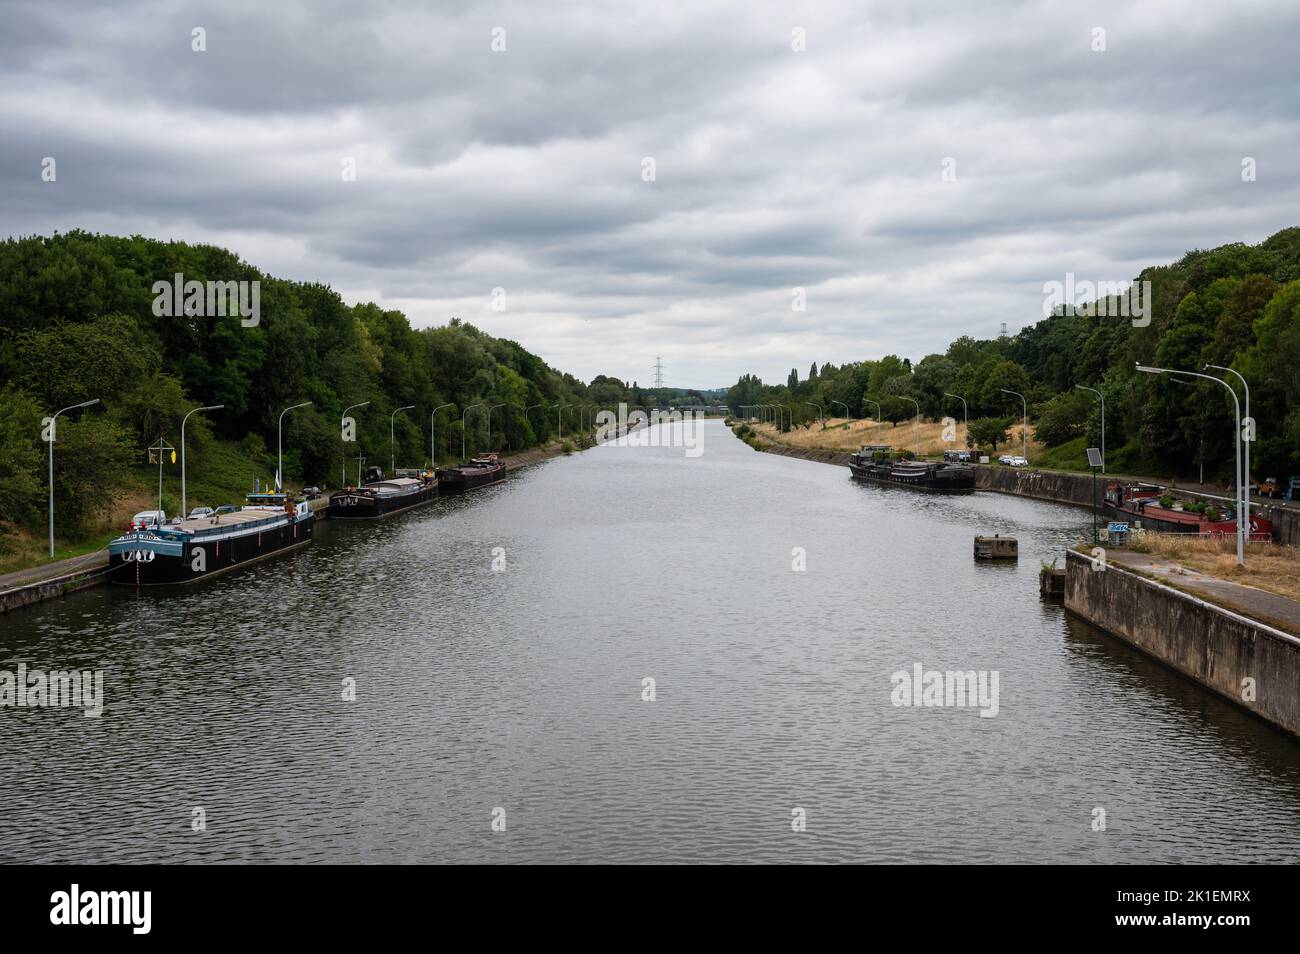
(173, 457)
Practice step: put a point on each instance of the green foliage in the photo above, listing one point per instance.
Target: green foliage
(77, 321)
(1236, 306)
(990, 431)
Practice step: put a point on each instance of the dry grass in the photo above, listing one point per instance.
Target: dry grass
(901, 437)
(1269, 566)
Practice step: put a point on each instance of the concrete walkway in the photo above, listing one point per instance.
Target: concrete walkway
(1276, 611)
(49, 571)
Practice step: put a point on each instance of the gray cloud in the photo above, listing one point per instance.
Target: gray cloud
(775, 168)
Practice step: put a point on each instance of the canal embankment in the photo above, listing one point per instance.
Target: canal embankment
(1237, 641)
(1061, 486)
(36, 584)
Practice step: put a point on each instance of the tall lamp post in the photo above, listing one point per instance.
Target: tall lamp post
(52, 426)
(279, 444)
(490, 410)
(529, 408)
(1249, 437)
(965, 418)
(847, 416)
(433, 439)
(918, 423)
(1241, 525)
(820, 413)
(783, 419)
(878, 413)
(210, 407)
(342, 423)
(1024, 427)
(1102, 398)
(462, 428)
(392, 437)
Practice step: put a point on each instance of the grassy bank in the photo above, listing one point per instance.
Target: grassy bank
(1269, 566)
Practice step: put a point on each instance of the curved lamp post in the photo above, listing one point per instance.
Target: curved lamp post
(1249, 439)
(211, 407)
(847, 416)
(1241, 524)
(52, 426)
(344, 478)
(878, 413)
(1024, 427)
(917, 422)
(279, 444)
(392, 437)
(490, 410)
(462, 428)
(433, 441)
(1102, 397)
(965, 419)
(820, 413)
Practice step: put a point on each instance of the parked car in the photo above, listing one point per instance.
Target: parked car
(311, 493)
(198, 513)
(225, 508)
(1017, 461)
(1004, 459)
(148, 518)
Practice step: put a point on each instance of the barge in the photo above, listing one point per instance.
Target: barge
(1139, 504)
(479, 472)
(162, 554)
(874, 463)
(380, 498)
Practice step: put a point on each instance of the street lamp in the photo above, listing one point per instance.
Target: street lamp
(918, 422)
(1102, 397)
(787, 415)
(559, 419)
(433, 441)
(1024, 427)
(462, 427)
(342, 423)
(820, 412)
(847, 416)
(211, 407)
(965, 418)
(1241, 559)
(279, 444)
(1249, 437)
(878, 413)
(392, 437)
(490, 410)
(529, 408)
(52, 420)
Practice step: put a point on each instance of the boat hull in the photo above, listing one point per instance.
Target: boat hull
(941, 481)
(455, 481)
(350, 505)
(143, 561)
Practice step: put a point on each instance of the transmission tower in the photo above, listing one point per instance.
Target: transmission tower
(659, 372)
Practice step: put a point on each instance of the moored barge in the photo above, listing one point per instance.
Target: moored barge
(191, 550)
(479, 472)
(380, 498)
(1139, 504)
(874, 463)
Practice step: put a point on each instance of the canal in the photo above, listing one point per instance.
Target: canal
(500, 644)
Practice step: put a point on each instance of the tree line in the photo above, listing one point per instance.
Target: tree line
(78, 321)
(1237, 306)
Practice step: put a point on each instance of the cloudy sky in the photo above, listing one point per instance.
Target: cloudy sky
(774, 168)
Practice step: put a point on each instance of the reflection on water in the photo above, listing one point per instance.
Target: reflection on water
(522, 689)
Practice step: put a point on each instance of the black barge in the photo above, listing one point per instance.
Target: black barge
(875, 464)
(380, 498)
(479, 472)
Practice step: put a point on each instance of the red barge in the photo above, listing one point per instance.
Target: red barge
(1139, 504)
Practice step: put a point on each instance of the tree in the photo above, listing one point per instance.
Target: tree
(990, 431)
